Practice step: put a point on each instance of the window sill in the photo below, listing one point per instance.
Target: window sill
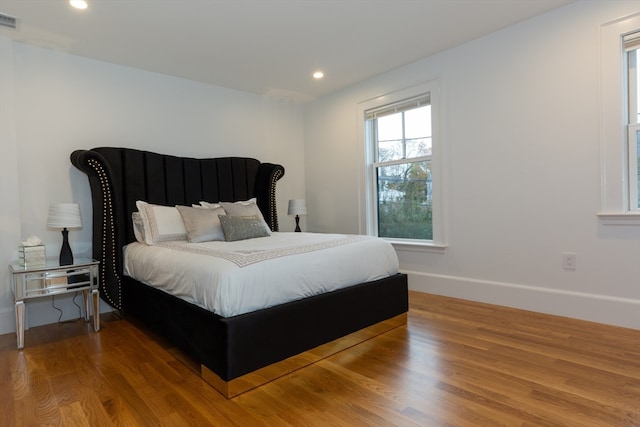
(418, 246)
(619, 218)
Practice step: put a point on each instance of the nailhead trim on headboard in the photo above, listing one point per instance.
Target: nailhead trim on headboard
(107, 227)
(277, 174)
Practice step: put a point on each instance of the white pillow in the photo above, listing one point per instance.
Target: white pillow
(245, 208)
(161, 223)
(209, 205)
(138, 227)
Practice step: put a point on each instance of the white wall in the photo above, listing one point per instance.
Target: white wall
(522, 142)
(53, 103)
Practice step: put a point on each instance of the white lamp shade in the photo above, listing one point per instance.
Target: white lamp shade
(297, 207)
(64, 215)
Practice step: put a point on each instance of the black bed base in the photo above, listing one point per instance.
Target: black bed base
(229, 349)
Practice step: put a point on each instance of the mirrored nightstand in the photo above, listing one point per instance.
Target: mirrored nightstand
(55, 279)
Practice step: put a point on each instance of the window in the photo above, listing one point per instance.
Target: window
(402, 183)
(632, 55)
(619, 126)
(401, 142)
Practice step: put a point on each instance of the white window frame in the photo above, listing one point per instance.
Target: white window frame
(632, 42)
(368, 189)
(614, 143)
(632, 139)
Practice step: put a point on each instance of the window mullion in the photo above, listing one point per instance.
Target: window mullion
(402, 161)
(374, 135)
(404, 138)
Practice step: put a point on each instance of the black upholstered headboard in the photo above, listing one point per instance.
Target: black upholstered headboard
(120, 176)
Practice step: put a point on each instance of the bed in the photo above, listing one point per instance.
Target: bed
(239, 350)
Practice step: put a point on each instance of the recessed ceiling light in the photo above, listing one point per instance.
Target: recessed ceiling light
(78, 4)
(318, 75)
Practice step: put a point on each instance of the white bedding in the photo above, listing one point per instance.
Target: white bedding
(232, 278)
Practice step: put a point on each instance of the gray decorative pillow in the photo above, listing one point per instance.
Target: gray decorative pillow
(242, 227)
(202, 225)
(245, 208)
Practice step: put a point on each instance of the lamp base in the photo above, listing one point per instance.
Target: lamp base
(66, 256)
(298, 224)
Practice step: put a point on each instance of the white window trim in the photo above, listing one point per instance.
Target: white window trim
(367, 211)
(633, 164)
(614, 166)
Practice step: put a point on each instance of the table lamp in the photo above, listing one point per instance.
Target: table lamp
(64, 216)
(297, 207)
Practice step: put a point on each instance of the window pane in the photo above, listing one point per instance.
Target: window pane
(418, 122)
(390, 127)
(404, 201)
(389, 150)
(418, 147)
(633, 83)
(389, 135)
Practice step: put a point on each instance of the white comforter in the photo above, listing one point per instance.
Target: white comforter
(232, 278)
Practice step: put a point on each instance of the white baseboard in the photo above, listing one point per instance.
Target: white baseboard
(623, 312)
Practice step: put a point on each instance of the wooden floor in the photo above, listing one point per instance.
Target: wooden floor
(455, 363)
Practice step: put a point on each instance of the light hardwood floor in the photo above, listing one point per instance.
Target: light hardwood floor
(455, 363)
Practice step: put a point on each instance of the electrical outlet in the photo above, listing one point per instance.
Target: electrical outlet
(569, 261)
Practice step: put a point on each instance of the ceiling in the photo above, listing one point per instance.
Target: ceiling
(268, 47)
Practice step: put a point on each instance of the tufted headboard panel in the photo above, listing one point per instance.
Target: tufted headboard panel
(118, 177)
